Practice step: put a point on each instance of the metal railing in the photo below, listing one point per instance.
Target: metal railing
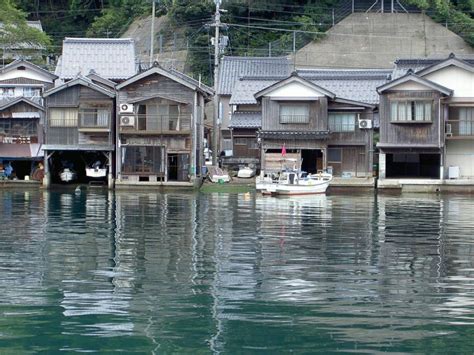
(459, 128)
(94, 119)
(156, 123)
(289, 119)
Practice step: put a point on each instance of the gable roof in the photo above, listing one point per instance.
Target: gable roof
(21, 62)
(4, 104)
(80, 80)
(450, 61)
(231, 69)
(180, 78)
(402, 65)
(417, 79)
(358, 85)
(350, 84)
(193, 81)
(111, 58)
(295, 78)
(97, 78)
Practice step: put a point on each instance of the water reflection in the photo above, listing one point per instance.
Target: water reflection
(179, 272)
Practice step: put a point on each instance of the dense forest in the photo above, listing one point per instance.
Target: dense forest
(253, 24)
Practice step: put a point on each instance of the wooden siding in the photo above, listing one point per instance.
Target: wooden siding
(353, 161)
(317, 116)
(155, 85)
(249, 150)
(413, 133)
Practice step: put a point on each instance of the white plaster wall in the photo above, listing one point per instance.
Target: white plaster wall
(411, 85)
(295, 90)
(27, 73)
(225, 113)
(461, 153)
(454, 78)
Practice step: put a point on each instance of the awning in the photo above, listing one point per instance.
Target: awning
(31, 151)
(25, 115)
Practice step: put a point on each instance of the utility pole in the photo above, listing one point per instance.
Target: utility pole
(152, 32)
(216, 125)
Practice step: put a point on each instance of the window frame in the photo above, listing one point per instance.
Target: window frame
(334, 115)
(288, 120)
(410, 108)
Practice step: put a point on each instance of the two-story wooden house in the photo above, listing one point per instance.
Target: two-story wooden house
(426, 120)
(80, 129)
(318, 130)
(21, 116)
(160, 128)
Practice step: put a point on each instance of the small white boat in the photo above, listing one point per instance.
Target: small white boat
(217, 175)
(67, 175)
(96, 172)
(245, 172)
(265, 184)
(293, 183)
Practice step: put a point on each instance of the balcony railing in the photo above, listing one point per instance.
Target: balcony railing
(459, 128)
(98, 119)
(156, 123)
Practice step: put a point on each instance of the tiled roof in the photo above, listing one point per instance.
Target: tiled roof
(246, 120)
(111, 58)
(417, 64)
(192, 81)
(233, 68)
(246, 88)
(350, 84)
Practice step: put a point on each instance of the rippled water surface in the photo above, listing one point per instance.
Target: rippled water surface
(233, 273)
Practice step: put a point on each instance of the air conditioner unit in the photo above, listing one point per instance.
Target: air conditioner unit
(365, 124)
(127, 121)
(449, 132)
(126, 108)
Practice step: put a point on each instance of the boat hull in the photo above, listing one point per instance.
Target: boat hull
(67, 175)
(311, 188)
(96, 173)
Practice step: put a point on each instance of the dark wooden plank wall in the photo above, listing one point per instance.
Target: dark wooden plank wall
(353, 160)
(155, 85)
(74, 96)
(409, 133)
(271, 116)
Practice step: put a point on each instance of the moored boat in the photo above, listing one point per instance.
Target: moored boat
(294, 183)
(67, 175)
(245, 172)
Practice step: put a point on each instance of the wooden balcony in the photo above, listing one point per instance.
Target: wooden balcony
(155, 124)
(459, 129)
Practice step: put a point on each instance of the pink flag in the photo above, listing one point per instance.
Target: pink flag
(283, 150)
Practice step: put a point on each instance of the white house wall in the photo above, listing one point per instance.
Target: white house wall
(411, 86)
(461, 153)
(27, 73)
(296, 90)
(454, 78)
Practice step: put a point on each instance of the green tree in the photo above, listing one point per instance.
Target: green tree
(14, 28)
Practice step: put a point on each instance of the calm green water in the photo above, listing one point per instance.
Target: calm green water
(235, 273)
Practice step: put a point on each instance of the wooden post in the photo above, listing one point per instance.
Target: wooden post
(110, 177)
(47, 174)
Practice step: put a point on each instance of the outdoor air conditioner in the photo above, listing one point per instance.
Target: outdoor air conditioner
(365, 124)
(449, 132)
(127, 121)
(126, 108)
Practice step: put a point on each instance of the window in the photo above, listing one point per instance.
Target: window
(93, 117)
(410, 111)
(7, 92)
(342, 122)
(294, 113)
(63, 117)
(18, 127)
(249, 142)
(462, 118)
(31, 92)
(334, 155)
(142, 159)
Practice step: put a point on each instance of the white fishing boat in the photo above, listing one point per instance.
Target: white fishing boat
(294, 183)
(67, 175)
(96, 173)
(265, 184)
(245, 172)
